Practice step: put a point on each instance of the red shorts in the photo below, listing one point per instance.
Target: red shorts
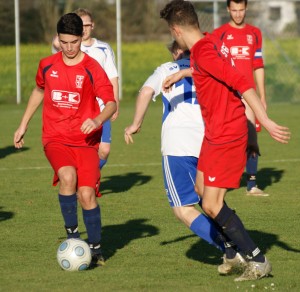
(84, 159)
(223, 165)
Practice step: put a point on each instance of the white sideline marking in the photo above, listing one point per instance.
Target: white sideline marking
(140, 164)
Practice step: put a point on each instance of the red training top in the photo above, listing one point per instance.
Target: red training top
(70, 98)
(245, 45)
(218, 85)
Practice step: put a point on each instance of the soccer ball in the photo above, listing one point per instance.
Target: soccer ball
(74, 254)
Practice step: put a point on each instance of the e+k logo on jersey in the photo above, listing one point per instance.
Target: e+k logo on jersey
(65, 97)
(239, 51)
(79, 81)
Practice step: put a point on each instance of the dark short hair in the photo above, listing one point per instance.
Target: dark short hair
(70, 23)
(237, 1)
(180, 12)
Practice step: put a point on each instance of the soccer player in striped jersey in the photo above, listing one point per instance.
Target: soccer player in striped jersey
(245, 44)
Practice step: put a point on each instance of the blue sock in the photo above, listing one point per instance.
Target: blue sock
(92, 221)
(68, 206)
(205, 228)
(251, 169)
(102, 163)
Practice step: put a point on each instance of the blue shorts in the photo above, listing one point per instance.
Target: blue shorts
(179, 179)
(106, 132)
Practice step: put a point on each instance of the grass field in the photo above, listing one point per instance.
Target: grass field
(147, 249)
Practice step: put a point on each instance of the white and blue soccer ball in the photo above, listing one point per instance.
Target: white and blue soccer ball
(74, 254)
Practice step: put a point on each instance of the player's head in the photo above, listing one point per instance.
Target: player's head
(237, 1)
(237, 11)
(177, 52)
(180, 16)
(70, 23)
(69, 31)
(88, 22)
(180, 12)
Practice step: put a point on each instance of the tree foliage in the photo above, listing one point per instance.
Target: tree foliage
(140, 19)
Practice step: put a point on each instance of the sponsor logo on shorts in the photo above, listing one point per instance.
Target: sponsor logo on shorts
(211, 179)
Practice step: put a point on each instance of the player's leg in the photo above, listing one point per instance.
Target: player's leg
(88, 178)
(104, 147)
(253, 154)
(61, 160)
(179, 177)
(213, 197)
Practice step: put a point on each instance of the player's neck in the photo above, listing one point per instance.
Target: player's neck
(73, 61)
(237, 25)
(88, 42)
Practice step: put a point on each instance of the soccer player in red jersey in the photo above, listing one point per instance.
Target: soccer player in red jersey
(219, 86)
(245, 44)
(67, 84)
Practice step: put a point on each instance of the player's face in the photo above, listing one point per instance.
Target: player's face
(70, 45)
(237, 12)
(88, 26)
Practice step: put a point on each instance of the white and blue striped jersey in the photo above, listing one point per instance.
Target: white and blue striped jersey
(103, 53)
(182, 124)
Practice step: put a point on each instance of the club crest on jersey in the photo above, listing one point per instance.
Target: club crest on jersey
(79, 81)
(249, 39)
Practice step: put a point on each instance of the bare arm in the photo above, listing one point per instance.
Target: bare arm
(142, 103)
(115, 84)
(34, 101)
(170, 80)
(260, 83)
(277, 132)
(90, 125)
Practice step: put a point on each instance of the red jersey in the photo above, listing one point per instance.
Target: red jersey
(70, 98)
(245, 45)
(218, 84)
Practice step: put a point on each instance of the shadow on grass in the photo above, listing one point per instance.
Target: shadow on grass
(115, 237)
(10, 150)
(265, 177)
(5, 215)
(122, 183)
(203, 252)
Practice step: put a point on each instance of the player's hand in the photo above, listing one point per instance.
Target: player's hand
(129, 131)
(170, 80)
(278, 133)
(89, 125)
(18, 137)
(115, 115)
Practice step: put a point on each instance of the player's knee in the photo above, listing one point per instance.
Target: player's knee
(68, 178)
(209, 209)
(182, 214)
(87, 198)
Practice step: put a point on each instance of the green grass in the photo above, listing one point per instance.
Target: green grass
(146, 247)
